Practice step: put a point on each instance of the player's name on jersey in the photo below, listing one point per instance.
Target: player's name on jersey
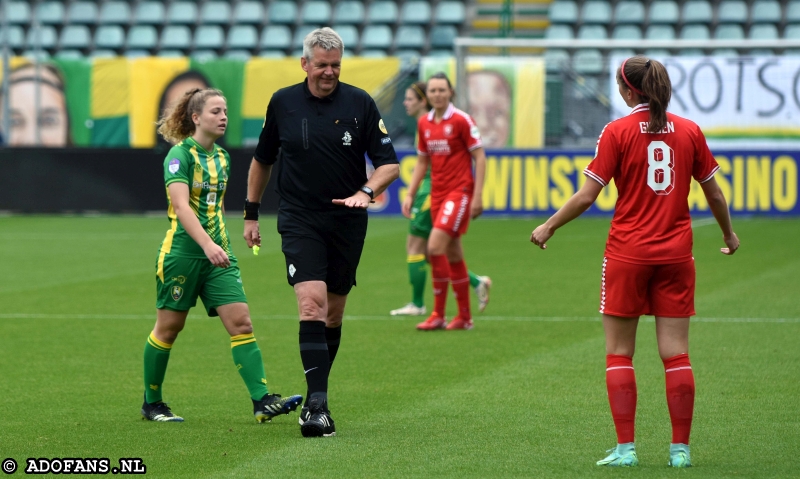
(668, 128)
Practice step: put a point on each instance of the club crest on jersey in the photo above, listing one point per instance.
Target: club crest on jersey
(347, 138)
(448, 130)
(427, 133)
(177, 293)
(174, 165)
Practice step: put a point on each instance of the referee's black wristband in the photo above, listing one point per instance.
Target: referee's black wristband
(251, 210)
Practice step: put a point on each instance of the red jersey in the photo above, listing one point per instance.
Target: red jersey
(653, 173)
(448, 144)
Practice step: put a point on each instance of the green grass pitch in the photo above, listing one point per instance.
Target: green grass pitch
(521, 395)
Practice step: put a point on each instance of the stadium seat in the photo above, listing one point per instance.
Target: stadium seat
(588, 61)
(275, 37)
(16, 36)
(732, 11)
(657, 53)
(407, 57)
(376, 36)
(171, 54)
(133, 54)
(695, 32)
(215, 13)
(443, 36)
(241, 55)
(34, 56)
(300, 35)
(629, 12)
(296, 53)
(47, 37)
(761, 52)
(208, 37)
(792, 32)
(729, 32)
(103, 54)
(282, 12)
(176, 37)
(440, 53)
(182, 13)
(691, 52)
(765, 11)
(556, 60)
(349, 34)
(373, 54)
(563, 11)
(765, 31)
(622, 52)
(83, 13)
(724, 53)
(248, 12)
(627, 32)
(50, 13)
(69, 54)
(75, 36)
(149, 13)
(793, 11)
(382, 12)
(142, 37)
(109, 37)
(242, 37)
(559, 32)
(592, 32)
(115, 13)
(416, 12)
(204, 55)
(410, 36)
(697, 11)
(660, 32)
(596, 11)
(19, 13)
(271, 54)
(315, 11)
(449, 13)
(348, 12)
(664, 12)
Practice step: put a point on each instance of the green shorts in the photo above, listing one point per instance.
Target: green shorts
(421, 223)
(179, 281)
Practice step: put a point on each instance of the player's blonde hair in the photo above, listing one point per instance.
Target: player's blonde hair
(176, 125)
(649, 79)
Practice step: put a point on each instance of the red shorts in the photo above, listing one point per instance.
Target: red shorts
(451, 215)
(631, 290)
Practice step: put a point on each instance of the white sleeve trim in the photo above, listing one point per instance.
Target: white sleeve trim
(475, 147)
(421, 153)
(711, 175)
(594, 176)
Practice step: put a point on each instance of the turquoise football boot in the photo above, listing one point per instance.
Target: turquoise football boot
(679, 455)
(624, 455)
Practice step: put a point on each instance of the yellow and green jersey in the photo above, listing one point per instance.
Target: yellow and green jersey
(206, 173)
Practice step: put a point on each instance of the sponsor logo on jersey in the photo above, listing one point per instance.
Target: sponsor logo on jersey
(475, 132)
(386, 140)
(346, 139)
(382, 127)
(174, 165)
(438, 146)
(209, 186)
(177, 293)
(179, 279)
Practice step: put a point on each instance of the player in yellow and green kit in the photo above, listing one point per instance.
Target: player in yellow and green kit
(195, 258)
(421, 224)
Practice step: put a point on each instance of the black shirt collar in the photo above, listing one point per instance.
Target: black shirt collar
(328, 98)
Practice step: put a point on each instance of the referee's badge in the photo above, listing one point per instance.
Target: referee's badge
(177, 293)
(382, 127)
(292, 270)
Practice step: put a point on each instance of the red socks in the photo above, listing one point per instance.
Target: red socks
(680, 396)
(621, 384)
(440, 270)
(460, 279)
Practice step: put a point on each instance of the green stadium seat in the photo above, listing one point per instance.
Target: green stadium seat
(75, 37)
(592, 32)
(556, 60)
(300, 35)
(563, 11)
(763, 31)
(171, 54)
(373, 53)
(793, 11)
(376, 37)
(588, 61)
(69, 54)
(208, 37)
(440, 53)
(19, 13)
(115, 13)
(204, 55)
(109, 37)
(275, 37)
(792, 32)
(761, 52)
(559, 32)
(449, 12)
(34, 56)
(629, 12)
(50, 13)
(215, 13)
(83, 13)
(627, 32)
(443, 36)
(142, 37)
(725, 53)
(660, 32)
(732, 11)
(282, 12)
(182, 13)
(729, 32)
(765, 11)
(622, 52)
(242, 37)
(415, 12)
(104, 54)
(695, 32)
(149, 13)
(16, 36)
(410, 37)
(134, 54)
(408, 57)
(175, 37)
(348, 12)
(691, 52)
(657, 53)
(697, 11)
(382, 12)
(596, 11)
(349, 34)
(315, 12)
(241, 55)
(296, 53)
(271, 54)
(248, 12)
(664, 12)
(47, 37)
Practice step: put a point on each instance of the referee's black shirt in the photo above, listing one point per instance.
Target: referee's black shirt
(322, 142)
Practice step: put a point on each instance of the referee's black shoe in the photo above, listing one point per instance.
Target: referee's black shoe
(319, 422)
(305, 414)
(273, 405)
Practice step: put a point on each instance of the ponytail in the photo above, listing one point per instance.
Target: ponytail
(176, 125)
(650, 80)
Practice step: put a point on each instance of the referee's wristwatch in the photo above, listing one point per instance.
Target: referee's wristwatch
(366, 189)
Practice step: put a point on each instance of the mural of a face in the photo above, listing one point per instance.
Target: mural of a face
(51, 119)
(490, 105)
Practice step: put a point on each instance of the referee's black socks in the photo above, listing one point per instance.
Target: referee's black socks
(314, 354)
(333, 336)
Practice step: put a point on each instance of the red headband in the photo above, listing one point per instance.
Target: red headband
(625, 79)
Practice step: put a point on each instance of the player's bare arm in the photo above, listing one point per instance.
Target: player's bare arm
(719, 206)
(574, 207)
(257, 180)
(381, 178)
(423, 162)
(479, 157)
(179, 195)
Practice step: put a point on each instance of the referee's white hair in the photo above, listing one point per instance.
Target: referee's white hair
(325, 38)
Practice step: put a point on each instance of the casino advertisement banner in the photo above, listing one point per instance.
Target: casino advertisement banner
(538, 182)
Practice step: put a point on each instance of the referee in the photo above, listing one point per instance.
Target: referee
(322, 129)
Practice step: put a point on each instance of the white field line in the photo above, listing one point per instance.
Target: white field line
(534, 319)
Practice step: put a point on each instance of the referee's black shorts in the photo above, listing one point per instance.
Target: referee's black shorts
(322, 245)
